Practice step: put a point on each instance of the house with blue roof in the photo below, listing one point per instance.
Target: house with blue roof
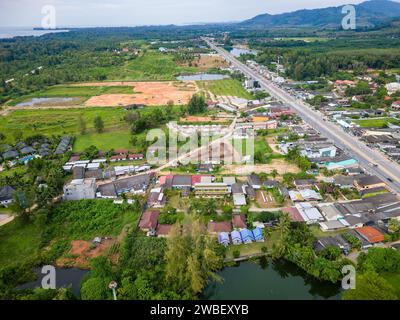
(236, 238)
(247, 236)
(258, 235)
(223, 238)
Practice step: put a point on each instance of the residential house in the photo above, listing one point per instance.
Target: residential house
(149, 220)
(137, 156)
(368, 182)
(79, 189)
(118, 158)
(215, 227)
(211, 190)
(247, 236)
(370, 234)
(309, 213)
(254, 181)
(6, 195)
(239, 221)
(163, 230)
(223, 238)
(180, 182)
(258, 235)
(236, 238)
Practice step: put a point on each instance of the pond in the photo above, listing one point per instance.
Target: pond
(269, 280)
(202, 77)
(237, 52)
(40, 101)
(64, 278)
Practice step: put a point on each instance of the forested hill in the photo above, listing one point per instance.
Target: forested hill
(369, 14)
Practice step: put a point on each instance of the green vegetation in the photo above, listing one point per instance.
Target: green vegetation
(295, 243)
(151, 65)
(225, 87)
(65, 91)
(376, 123)
(377, 276)
(87, 219)
(19, 241)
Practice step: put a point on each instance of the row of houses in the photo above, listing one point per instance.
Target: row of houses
(87, 188)
(238, 237)
(23, 153)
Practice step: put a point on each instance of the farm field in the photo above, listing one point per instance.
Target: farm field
(225, 87)
(377, 123)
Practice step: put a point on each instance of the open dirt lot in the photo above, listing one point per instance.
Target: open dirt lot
(280, 165)
(148, 93)
(207, 61)
(82, 251)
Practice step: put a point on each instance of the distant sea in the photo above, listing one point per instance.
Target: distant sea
(11, 32)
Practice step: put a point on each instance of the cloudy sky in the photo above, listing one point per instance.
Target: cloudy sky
(143, 12)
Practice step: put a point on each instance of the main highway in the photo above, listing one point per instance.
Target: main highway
(370, 159)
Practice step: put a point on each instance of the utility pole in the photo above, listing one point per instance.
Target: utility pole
(113, 285)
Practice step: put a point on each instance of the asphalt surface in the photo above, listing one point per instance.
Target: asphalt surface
(371, 160)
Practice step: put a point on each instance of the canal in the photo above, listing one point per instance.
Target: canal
(269, 280)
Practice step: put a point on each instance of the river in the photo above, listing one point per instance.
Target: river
(268, 280)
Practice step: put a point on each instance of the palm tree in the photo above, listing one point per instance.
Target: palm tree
(283, 229)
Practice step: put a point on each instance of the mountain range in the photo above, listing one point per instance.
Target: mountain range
(368, 14)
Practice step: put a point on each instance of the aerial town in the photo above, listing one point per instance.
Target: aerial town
(297, 166)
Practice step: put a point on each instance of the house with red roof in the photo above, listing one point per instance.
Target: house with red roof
(370, 234)
(118, 158)
(215, 227)
(136, 156)
(163, 230)
(149, 220)
(239, 221)
(396, 105)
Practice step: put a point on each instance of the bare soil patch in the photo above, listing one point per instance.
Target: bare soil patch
(279, 164)
(147, 93)
(206, 61)
(82, 252)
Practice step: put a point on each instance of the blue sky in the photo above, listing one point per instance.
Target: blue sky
(144, 12)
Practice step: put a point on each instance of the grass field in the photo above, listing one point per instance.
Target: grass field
(225, 87)
(377, 123)
(57, 122)
(105, 141)
(116, 133)
(151, 65)
(18, 242)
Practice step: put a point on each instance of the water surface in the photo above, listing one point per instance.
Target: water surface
(268, 280)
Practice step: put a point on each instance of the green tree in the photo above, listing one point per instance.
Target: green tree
(283, 229)
(197, 104)
(82, 125)
(98, 124)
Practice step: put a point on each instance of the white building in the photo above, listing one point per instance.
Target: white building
(79, 189)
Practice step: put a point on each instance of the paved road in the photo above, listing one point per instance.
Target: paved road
(365, 155)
